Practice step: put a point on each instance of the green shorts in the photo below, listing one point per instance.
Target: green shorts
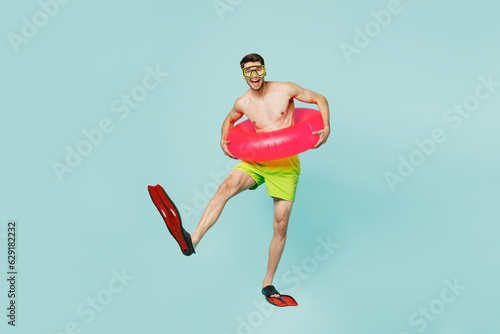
(281, 176)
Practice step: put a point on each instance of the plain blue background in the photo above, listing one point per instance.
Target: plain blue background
(395, 249)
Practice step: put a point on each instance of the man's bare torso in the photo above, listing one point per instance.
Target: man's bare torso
(273, 111)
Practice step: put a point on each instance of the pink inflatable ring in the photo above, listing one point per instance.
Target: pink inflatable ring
(248, 145)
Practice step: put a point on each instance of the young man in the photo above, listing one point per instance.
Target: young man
(270, 106)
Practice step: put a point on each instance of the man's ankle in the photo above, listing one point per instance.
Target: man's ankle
(266, 283)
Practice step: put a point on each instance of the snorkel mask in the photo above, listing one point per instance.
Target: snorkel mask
(260, 70)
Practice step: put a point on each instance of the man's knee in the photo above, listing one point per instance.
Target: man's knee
(280, 225)
(227, 188)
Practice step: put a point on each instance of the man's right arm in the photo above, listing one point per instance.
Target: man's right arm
(234, 115)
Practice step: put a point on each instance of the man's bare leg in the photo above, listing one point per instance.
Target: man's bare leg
(282, 210)
(236, 182)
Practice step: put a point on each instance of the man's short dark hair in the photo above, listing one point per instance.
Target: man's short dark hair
(252, 57)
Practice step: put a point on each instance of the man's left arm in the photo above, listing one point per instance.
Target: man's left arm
(308, 96)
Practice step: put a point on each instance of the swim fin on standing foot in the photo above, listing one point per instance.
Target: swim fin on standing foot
(281, 301)
(172, 218)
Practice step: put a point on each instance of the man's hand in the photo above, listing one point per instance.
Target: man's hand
(323, 136)
(223, 145)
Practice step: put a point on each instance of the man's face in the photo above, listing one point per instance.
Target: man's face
(254, 74)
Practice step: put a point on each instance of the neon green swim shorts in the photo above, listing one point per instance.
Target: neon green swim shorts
(281, 176)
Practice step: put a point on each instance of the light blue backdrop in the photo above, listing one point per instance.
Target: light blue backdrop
(395, 226)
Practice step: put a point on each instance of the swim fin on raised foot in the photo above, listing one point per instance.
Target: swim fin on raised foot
(172, 218)
(281, 301)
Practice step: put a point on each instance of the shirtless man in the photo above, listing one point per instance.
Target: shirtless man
(270, 106)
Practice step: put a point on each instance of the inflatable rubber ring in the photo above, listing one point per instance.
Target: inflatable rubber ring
(248, 145)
